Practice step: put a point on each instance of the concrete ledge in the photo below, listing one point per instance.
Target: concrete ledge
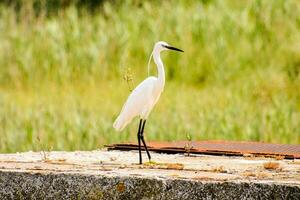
(115, 175)
(18, 185)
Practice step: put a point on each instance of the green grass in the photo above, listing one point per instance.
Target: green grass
(61, 76)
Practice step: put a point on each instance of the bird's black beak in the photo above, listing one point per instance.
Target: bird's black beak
(173, 48)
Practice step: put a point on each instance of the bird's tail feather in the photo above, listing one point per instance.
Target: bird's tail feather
(119, 125)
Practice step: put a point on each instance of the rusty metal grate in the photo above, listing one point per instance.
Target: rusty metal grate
(218, 148)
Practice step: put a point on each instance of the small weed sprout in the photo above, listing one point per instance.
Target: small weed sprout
(44, 154)
(188, 145)
(128, 77)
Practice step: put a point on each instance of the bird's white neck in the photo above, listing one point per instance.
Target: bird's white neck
(160, 68)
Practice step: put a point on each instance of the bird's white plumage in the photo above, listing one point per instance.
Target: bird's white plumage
(139, 103)
(143, 98)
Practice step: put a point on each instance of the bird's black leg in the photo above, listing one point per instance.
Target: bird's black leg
(139, 140)
(143, 140)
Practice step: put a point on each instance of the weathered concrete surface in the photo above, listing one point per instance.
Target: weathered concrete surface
(116, 175)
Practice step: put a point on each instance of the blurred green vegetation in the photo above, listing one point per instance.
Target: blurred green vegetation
(62, 65)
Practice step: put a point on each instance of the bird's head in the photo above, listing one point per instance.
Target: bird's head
(162, 46)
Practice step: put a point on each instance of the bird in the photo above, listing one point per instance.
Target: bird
(143, 98)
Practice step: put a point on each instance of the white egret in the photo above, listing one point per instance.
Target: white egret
(143, 98)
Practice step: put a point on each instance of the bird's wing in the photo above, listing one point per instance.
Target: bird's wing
(137, 101)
